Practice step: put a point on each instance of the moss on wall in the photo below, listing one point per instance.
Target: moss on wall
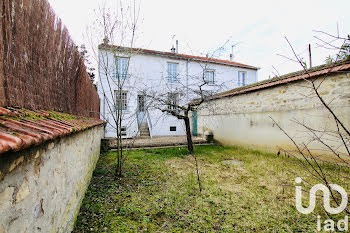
(49, 182)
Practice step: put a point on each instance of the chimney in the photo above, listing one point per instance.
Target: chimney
(173, 50)
(177, 46)
(105, 40)
(231, 57)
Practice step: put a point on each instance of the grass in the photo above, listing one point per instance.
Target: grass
(159, 193)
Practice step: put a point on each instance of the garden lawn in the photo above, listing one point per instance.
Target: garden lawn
(254, 192)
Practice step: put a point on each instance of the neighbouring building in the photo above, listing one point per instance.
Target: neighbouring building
(165, 73)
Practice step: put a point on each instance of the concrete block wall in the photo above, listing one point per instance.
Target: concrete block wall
(41, 188)
(245, 119)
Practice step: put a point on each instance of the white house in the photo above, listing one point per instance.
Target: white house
(163, 74)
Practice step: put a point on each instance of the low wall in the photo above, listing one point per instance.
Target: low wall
(41, 188)
(244, 119)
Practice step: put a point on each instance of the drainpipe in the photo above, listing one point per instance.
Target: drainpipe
(187, 97)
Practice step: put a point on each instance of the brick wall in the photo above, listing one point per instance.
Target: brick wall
(40, 66)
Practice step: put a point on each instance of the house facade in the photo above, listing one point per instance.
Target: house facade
(136, 76)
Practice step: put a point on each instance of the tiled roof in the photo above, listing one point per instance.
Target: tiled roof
(21, 128)
(177, 56)
(291, 77)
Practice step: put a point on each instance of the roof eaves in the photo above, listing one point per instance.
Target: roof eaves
(178, 56)
(291, 77)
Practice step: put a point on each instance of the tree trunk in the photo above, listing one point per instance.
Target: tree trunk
(188, 134)
(190, 147)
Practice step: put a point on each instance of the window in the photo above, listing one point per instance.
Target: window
(209, 76)
(123, 130)
(172, 128)
(121, 101)
(172, 72)
(172, 101)
(242, 78)
(122, 68)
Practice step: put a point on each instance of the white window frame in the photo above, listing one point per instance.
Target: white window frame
(123, 99)
(207, 78)
(173, 72)
(122, 66)
(242, 80)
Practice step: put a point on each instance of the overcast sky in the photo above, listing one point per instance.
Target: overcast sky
(259, 27)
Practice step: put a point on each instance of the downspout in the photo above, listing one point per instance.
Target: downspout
(187, 97)
(149, 123)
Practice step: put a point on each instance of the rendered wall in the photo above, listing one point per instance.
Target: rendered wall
(147, 72)
(41, 188)
(245, 119)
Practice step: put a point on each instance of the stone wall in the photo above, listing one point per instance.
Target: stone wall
(41, 188)
(245, 119)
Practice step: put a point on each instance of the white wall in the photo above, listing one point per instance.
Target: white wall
(245, 119)
(149, 73)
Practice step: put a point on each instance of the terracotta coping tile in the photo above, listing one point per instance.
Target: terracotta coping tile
(22, 128)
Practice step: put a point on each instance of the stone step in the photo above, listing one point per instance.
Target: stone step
(144, 130)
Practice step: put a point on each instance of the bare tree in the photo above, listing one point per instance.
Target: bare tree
(334, 142)
(114, 25)
(183, 92)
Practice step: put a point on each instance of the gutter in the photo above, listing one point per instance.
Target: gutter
(175, 56)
